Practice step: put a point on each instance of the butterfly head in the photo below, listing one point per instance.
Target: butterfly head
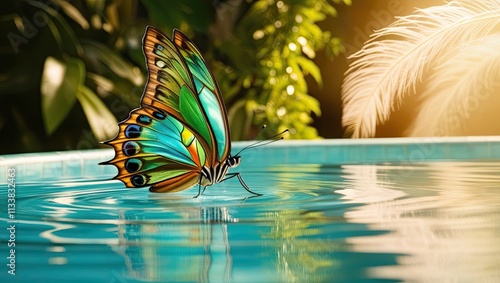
(233, 161)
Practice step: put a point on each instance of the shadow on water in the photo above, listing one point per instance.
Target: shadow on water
(315, 223)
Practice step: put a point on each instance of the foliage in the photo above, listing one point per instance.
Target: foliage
(453, 48)
(265, 60)
(54, 58)
(67, 60)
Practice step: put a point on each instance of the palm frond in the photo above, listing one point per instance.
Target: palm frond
(458, 87)
(396, 57)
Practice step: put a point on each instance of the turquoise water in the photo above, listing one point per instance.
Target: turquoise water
(391, 210)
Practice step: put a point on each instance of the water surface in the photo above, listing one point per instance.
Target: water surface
(433, 221)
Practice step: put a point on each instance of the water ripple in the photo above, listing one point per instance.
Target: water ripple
(311, 220)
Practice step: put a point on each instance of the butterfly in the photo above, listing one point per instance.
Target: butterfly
(179, 137)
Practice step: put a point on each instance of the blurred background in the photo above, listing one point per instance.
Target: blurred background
(70, 70)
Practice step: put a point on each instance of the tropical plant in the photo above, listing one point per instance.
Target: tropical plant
(66, 60)
(278, 40)
(451, 49)
(57, 54)
(261, 52)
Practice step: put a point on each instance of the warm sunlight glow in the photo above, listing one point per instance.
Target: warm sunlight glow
(60, 260)
(53, 75)
(302, 40)
(448, 53)
(281, 111)
(258, 34)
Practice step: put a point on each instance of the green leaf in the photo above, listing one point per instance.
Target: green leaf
(72, 12)
(311, 103)
(312, 15)
(309, 67)
(107, 58)
(60, 82)
(259, 7)
(329, 10)
(161, 15)
(62, 32)
(335, 47)
(169, 14)
(311, 31)
(101, 120)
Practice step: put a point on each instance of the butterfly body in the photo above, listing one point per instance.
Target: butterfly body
(179, 137)
(217, 173)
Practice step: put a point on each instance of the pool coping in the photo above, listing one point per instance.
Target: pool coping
(81, 163)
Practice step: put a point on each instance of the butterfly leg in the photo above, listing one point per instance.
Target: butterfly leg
(200, 192)
(232, 175)
(199, 188)
(204, 188)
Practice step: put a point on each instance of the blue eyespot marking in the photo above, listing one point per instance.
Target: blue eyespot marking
(159, 115)
(138, 180)
(143, 119)
(133, 131)
(130, 148)
(133, 165)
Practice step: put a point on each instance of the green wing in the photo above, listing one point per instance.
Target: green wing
(181, 125)
(155, 149)
(180, 83)
(208, 93)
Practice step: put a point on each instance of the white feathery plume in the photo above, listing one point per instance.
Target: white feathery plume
(396, 57)
(458, 87)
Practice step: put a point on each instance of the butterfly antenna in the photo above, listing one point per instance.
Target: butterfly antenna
(272, 139)
(256, 136)
(260, 131)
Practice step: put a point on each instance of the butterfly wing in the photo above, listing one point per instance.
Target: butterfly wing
(176, 86)
(181, 125)
(155, 149)
(208, 93)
